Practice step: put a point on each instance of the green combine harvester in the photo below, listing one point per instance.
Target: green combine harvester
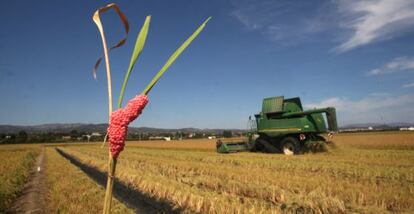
(284, 127)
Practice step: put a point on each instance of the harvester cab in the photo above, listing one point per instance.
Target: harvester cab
(284, 126)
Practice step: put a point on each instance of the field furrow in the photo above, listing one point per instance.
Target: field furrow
(16, 162)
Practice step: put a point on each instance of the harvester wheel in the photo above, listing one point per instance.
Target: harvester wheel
(290, 146)
(258, 147)
(265, 145)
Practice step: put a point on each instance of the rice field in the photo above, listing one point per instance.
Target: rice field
(69, 190)
(15, 164)
(365, 173)
(368, 173)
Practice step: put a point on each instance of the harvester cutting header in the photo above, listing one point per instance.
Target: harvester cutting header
(283, 126)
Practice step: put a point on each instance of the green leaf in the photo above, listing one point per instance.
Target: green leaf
(139, 45)
(174, 56)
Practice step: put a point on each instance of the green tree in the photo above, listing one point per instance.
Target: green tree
(227, 134)
(74, 134)
(21, 137)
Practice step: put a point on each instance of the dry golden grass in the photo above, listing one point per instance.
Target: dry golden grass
(193, 144)
(69, 190)
(15, 162)
(201, 144)
(379, 140)
(368, 173)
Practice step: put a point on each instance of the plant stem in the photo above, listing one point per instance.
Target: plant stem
(109, 184)
(112, 161)
(108, 75)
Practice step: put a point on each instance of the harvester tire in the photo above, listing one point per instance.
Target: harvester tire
(290, 146)
(258, 147)
(264, 145)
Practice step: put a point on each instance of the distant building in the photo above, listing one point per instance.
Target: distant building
(96, 134)
(87, 136)
(407, 129)
(66, 137)
(369, 128)
(160, 138)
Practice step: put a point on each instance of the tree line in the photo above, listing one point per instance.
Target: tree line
(79, 136)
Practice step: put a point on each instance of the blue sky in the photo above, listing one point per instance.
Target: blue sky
(355, 55)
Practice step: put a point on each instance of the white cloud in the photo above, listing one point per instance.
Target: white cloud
(374, 20)
(364, 104)
(379, 94)
(358, 22)
(408, 85)
(245, 20)
(282, 21)
(396, 65)
(386, 108)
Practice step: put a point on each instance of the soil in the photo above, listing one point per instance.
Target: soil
(31, 199)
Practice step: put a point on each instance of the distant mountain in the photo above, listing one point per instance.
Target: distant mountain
(54, 127)
(89, 128)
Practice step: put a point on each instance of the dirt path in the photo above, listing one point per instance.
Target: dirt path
(31, 199)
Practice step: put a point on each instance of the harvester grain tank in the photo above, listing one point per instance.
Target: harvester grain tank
(283, 126)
